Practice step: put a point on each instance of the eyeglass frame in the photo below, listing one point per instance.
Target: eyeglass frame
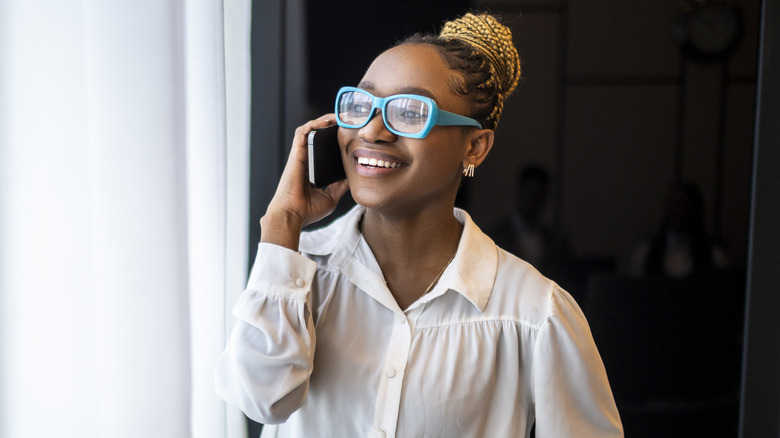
(437, 117)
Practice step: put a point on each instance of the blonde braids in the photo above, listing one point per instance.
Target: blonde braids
(494, 41)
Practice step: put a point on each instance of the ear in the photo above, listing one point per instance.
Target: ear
(480, 143)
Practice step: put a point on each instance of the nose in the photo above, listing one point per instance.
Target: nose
(375, 130)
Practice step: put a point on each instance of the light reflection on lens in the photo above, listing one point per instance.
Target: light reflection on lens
(407, 115)
(355, 107)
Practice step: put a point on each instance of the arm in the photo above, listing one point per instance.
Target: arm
(266, 366)
(571, 391)
(267, 363)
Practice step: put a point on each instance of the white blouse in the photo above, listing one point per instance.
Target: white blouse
(493, 348)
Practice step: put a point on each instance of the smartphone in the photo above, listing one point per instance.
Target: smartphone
(325, 165)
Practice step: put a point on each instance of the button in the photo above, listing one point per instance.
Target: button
(381, 434)
(391, 373)
(300, 283)
(401, 319)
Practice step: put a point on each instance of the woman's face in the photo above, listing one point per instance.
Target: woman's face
(423, 173)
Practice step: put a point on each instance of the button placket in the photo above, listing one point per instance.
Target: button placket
(390, 386)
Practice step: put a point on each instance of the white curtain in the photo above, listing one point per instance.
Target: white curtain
(123, 214)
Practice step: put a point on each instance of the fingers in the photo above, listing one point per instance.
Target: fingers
(330, 117)
(298, 158)
(322, 202)
(318, 123)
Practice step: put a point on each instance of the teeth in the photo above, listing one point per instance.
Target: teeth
(377, 163)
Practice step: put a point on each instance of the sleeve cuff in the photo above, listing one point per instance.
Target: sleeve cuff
(281, 271)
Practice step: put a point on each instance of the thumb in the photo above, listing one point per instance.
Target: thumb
(337, 190)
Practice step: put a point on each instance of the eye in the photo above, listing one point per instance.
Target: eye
(411, 114)
(409, 109)
(361, 104)
(361, 107)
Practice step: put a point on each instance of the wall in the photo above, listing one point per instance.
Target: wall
(610, 105)
(607, 102)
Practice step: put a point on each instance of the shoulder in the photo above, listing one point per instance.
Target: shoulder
(521, 291)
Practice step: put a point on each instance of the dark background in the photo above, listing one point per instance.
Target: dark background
(614, 108)
(345, 36)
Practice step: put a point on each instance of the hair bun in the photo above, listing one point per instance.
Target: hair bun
(494, 40)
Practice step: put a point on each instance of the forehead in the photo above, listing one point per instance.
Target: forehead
(417, 67)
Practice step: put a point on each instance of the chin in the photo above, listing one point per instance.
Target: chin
(370, 197)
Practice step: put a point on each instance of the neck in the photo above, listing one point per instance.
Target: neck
(412, 239)
(412, 251)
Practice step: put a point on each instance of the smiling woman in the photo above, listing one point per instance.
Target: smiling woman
(431, 159)
(422, 325)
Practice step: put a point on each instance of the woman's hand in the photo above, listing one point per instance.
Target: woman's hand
(296, 202)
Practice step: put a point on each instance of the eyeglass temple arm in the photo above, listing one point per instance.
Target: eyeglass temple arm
(447, 118)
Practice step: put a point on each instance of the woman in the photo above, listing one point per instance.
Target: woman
(402, 318)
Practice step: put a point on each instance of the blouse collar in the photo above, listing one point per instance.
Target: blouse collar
(471, 273)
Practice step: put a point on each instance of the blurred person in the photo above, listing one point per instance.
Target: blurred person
(681, 247)
(523, 232)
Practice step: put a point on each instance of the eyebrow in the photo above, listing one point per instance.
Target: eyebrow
(369, 86)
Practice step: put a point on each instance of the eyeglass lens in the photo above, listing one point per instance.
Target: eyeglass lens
(403, 114)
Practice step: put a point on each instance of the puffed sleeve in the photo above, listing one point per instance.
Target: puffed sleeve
(571, 391)
(267, 363)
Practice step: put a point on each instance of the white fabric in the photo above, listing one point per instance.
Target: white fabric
(492, 348)
(115, 217)
(218, 179)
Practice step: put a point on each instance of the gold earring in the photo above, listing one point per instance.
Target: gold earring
(469, 171)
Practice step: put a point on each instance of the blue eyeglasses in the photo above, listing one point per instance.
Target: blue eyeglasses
(407, 115)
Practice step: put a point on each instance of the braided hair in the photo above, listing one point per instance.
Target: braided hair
(481, 49)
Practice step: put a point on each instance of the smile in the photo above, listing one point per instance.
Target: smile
(373, 162)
